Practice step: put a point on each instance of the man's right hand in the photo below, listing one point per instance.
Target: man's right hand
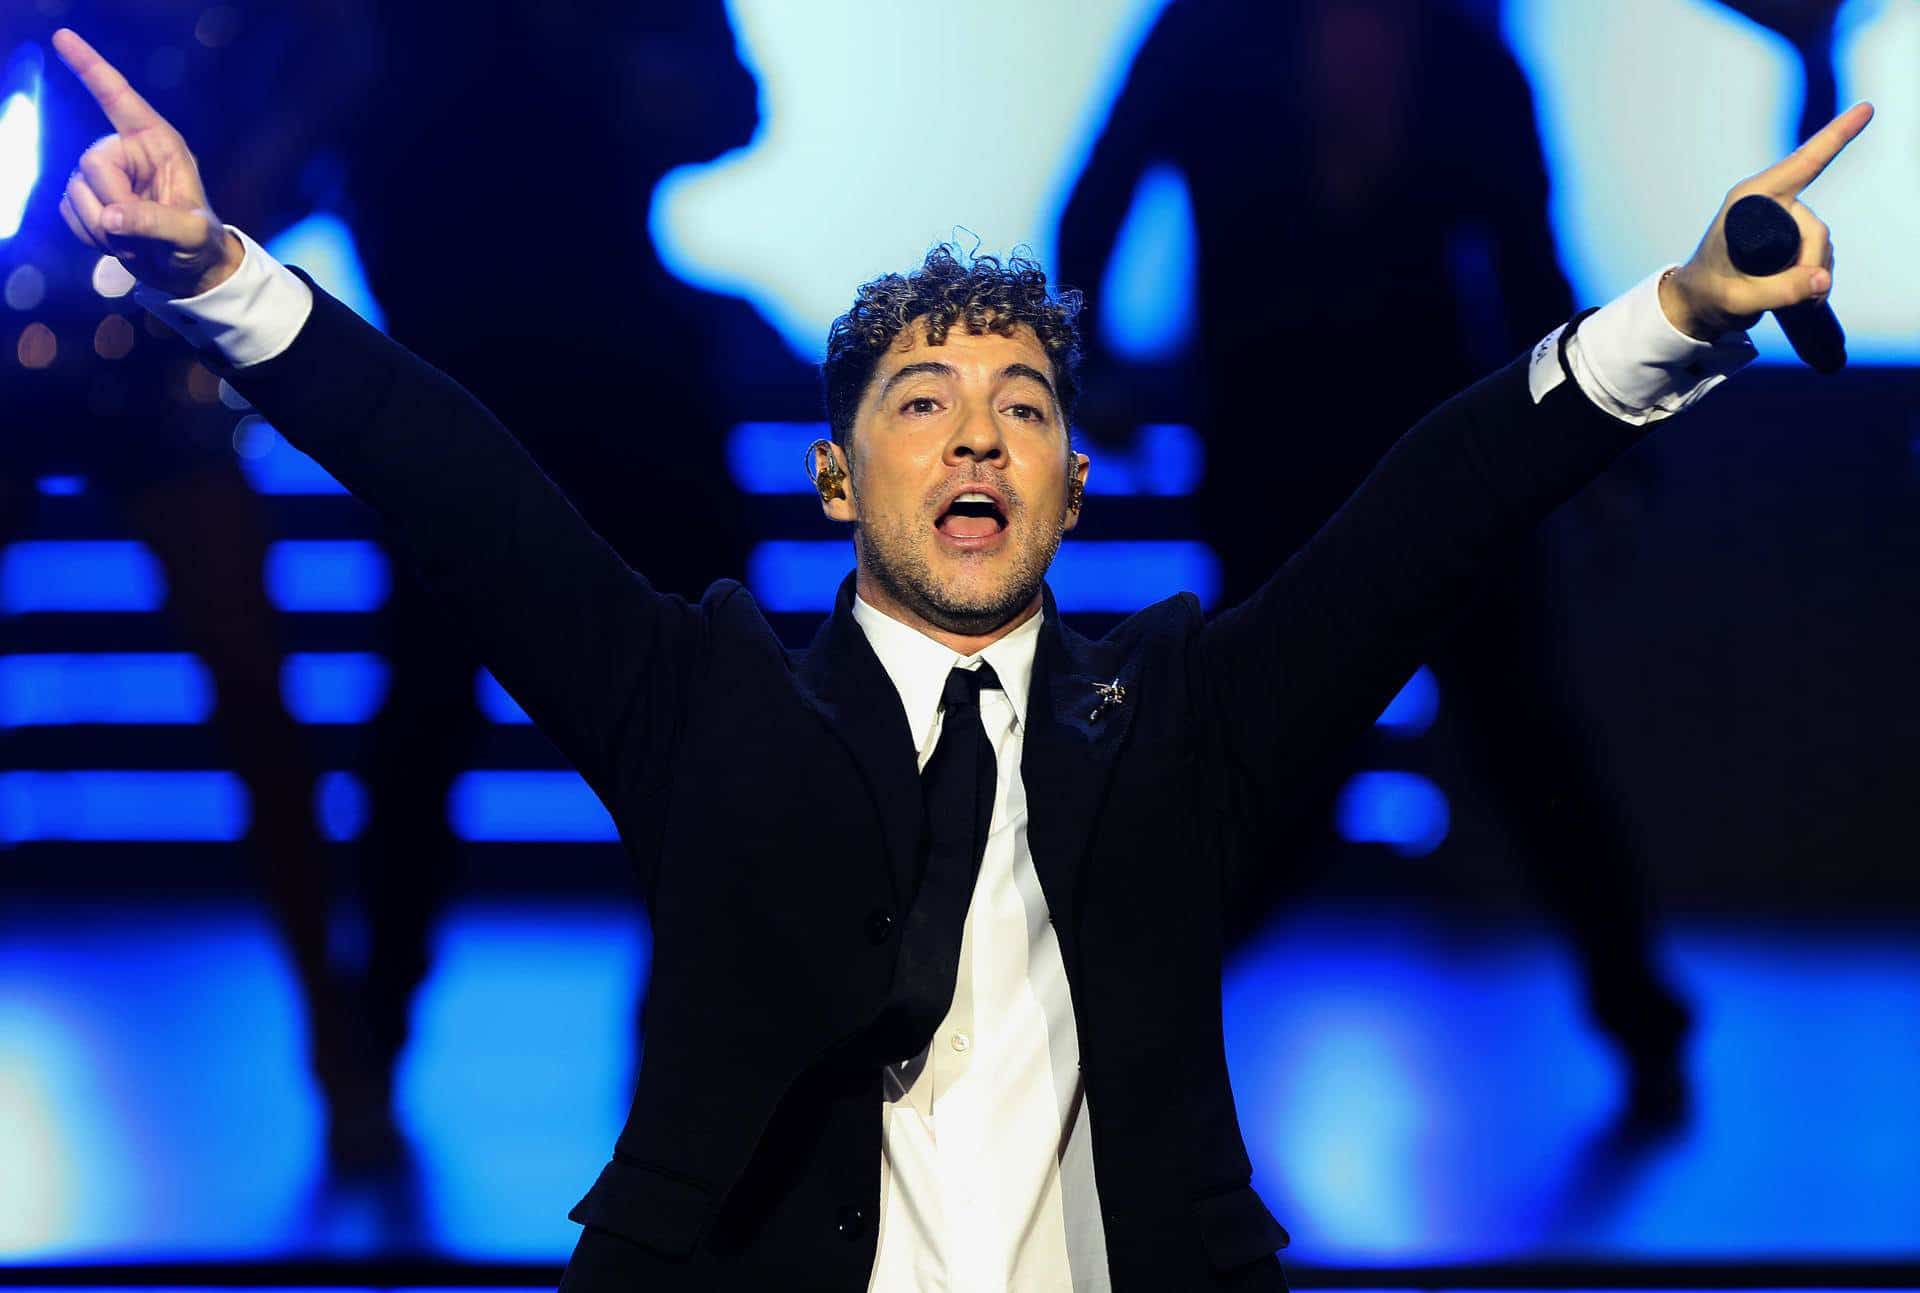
(136, 194)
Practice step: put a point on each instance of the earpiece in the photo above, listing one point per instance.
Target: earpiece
(823, 469)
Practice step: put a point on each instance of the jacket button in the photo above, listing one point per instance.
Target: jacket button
(851, 1223)
(879, 926)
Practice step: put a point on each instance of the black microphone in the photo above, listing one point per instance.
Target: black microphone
(1762, 239)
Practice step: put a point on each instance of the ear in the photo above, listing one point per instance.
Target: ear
(1076, 489)
(832, 480)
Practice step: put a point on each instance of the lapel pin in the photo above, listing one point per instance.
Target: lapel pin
(1112, 695)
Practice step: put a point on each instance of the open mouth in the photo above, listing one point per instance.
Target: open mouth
(971, 517)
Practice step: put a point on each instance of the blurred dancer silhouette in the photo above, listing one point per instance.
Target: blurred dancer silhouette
(606, 97)
(1383, 155)
(155, 447)
(1808, 25)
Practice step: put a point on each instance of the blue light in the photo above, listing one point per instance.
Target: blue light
(1096, 575)
(1147, 295)
(46, 690)
(132, 806)
(19, 136)
(323, 245)
(1125, 575)
(797, 575)
(333, 686)
(494, 701)
(103, 575)
(1411, 710)
(1402, 810)
(527, 806)
(327, 575)
(341, 806)
(797, 217)
(98, 575)
(61, 486)
(771, 457)
(1426, 1090)
(1165, 459)
(273, 466)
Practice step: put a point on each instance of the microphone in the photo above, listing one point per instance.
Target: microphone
(1762, 239)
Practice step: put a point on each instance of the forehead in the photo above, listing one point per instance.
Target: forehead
(973, 354)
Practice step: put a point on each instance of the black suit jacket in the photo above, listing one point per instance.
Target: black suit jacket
(771, 806)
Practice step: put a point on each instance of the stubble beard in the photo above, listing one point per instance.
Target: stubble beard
(899, 563)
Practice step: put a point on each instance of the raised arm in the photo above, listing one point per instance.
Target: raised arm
(1313, 656)
(597, 657)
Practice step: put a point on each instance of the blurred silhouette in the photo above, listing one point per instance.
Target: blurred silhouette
(1379, 158)
(619, 379)
(154, 446)
(1807, 25)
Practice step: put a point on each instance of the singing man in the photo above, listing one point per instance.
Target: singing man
(936, 902)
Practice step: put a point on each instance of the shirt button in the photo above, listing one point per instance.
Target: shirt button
(850, 1223)
(962, 1043)
(879, 926)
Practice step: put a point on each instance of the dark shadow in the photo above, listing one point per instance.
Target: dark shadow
(500, 170)
(1371, 208)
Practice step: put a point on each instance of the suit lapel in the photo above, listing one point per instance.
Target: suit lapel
(1071, 741)
(844, 680)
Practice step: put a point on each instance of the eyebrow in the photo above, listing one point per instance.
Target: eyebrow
(935, 368)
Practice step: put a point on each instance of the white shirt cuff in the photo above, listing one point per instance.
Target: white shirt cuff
(1632, 362)
(248, 319)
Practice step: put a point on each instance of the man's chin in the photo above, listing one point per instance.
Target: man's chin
(966, 593)
(974, 607)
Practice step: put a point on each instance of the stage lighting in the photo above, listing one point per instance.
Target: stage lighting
(19, 135)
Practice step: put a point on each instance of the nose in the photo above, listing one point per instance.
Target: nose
(978, 439)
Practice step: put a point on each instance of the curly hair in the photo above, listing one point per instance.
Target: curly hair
(979, 293)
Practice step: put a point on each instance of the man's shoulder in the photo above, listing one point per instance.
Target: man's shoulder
(1171, 616)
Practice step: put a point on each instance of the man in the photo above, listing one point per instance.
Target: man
(937, 902)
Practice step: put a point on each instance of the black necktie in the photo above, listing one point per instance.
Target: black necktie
(957, 785)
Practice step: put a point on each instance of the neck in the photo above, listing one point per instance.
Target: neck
(875, 595)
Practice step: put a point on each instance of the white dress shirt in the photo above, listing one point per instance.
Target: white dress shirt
(987, 1179)
(986, 1173)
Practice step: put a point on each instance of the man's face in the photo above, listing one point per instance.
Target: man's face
(960, 478)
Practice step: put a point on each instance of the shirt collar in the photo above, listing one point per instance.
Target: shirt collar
(918, 665)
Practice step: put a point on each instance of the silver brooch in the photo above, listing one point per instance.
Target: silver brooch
(1112, 695)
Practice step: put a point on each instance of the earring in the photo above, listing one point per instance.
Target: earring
(1076, 494)
(823, 469)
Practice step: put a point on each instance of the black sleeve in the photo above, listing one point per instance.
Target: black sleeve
(599, 660)
(1305, 665)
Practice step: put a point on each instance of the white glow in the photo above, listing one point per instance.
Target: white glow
(36, 1167)
(1647, 120)
(1869, 197)
(110, 277)
(1649, 116)
(972, 117)
(1359, 1117)
(19, 159)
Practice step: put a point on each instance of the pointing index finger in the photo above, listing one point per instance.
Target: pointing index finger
(1803, 165)
(121, 102)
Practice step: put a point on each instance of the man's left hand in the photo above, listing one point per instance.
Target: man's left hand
(1707, 297)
